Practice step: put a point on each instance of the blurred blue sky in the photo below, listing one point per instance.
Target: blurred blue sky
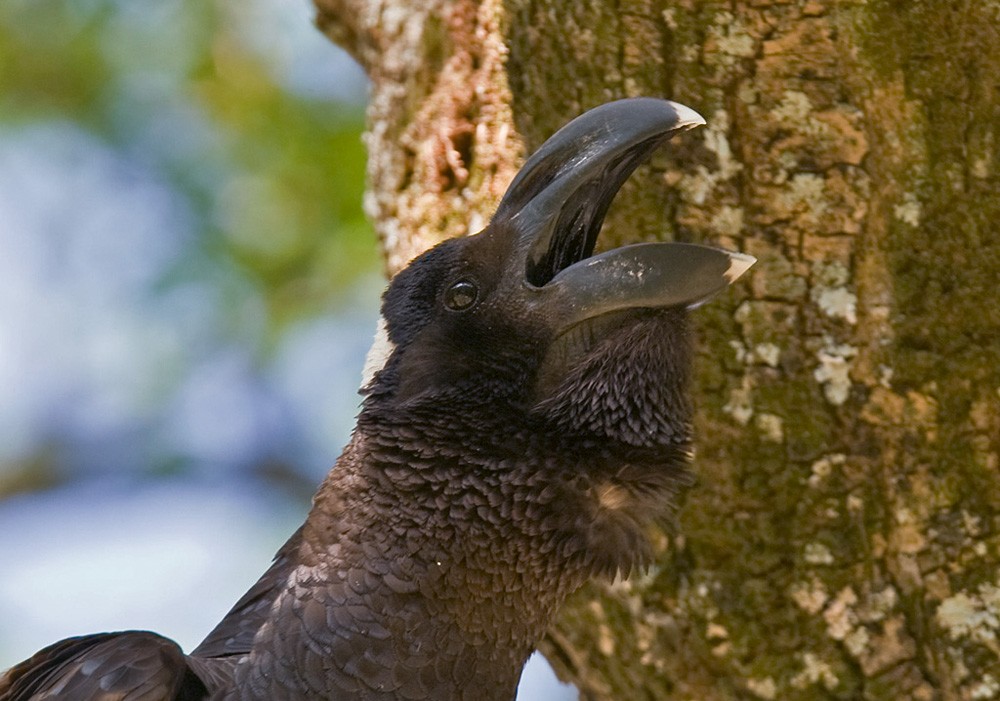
(142, 327)
(187, 290)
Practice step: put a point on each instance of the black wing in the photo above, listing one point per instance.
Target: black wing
(127, 666)
(235, 633)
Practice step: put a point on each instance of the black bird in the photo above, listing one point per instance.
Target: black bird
(527, 421)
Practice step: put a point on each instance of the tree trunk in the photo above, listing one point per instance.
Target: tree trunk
(843, 539)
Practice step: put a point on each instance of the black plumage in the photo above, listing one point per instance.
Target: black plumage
(527, 422)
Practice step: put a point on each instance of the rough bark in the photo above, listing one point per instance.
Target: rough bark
(843, 540)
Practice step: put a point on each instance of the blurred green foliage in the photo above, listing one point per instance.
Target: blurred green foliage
(273, 174)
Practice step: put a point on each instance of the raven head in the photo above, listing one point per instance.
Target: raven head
(520, 366)
(523, 321)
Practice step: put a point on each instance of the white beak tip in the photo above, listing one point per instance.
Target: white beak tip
(739, 263)
(687, 118)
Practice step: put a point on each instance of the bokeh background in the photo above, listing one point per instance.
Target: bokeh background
(187, 289)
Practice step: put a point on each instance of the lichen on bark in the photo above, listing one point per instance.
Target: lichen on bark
(842, 539)
(440, 143)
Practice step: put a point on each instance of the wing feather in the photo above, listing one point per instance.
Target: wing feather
(125, 666)
(235, 633)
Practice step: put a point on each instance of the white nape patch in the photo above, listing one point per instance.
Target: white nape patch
(378, 354)
(739, 263)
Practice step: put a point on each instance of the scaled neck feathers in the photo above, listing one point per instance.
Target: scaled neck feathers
(462, 532)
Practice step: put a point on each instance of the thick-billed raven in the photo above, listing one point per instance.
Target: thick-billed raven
(525, 419)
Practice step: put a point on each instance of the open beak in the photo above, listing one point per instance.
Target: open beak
(557, 204)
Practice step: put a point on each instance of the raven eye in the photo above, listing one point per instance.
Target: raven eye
(461, 296)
